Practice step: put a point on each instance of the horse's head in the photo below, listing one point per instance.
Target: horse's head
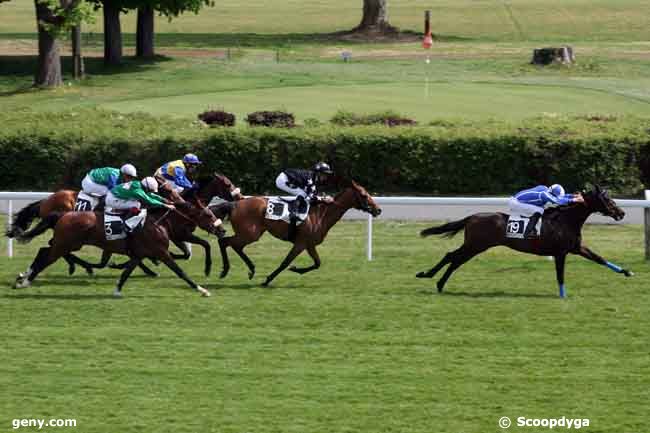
(218, 185)
(598, 200)
(201, 215)
(361, 199)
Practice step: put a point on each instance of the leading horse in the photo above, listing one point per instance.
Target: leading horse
(561, 235)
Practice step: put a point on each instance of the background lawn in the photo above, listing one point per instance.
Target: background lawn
(352, 347)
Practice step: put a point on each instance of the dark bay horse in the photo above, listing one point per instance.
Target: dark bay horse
(249, 224)
(182, 231)
(561, 235)
(73, 230)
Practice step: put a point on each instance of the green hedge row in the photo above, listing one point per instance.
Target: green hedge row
(47, 151)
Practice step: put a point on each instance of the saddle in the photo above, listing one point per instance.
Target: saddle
(280, 209)
(119, 223)
(86, 202)
(516, 227)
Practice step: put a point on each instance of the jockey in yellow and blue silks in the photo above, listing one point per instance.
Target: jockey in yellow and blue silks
(178, 173)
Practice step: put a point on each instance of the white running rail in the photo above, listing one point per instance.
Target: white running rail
(402, 201)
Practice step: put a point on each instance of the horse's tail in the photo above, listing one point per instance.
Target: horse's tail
(23, 219)
(46, 223)
(447, 230)
(223, 210)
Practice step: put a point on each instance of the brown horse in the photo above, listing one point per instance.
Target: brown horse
(73, 230)
(60, 201)
(561, 235)
(249, 223)
(182, 231)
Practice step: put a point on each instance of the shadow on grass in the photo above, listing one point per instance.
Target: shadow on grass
(23, 66)
(499, 294)
(250, 40)
(61, 296)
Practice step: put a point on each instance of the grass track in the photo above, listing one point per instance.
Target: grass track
(352, 347)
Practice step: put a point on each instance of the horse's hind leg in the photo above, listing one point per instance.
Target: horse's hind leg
(458, 257)
(433, 271)
(128, 269)
(45, 257)
(239, 249)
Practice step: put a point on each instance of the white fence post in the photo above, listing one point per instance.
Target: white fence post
(369, 248)
(646, 213)
(10, 217)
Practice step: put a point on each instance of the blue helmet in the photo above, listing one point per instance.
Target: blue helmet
(557, 190)
(190, 158)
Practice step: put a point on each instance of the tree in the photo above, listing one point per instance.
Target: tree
(170, 8)
(54, 18)
(112, 32)
(375, 18)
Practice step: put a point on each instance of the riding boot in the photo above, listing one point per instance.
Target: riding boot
(293, 220)
(531, 229)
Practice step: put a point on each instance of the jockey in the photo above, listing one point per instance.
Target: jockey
(177, 172)
(100, 181)
(132, 195)
(532, 203)
(302, 184)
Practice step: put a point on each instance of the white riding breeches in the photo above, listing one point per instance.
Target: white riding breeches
(523, 209)
(113, 202)
(92, 188)
(282, 183)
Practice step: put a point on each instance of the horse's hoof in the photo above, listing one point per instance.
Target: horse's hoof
(223, 274)
(294, 269)
(21, 284)
(117, 294)
(439, 286)
(203, 291)
(153, 275)
(90, 272)
(251, 274)
(628, 273)
(266, 283)
(421, 275)
(71, 269)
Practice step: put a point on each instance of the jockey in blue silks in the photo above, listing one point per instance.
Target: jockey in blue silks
(177, 172)
(532, 203)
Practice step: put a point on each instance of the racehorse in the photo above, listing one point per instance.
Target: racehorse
(561, 235)
(248, 221)
(182, 230)
(59, 201)
(73, 230)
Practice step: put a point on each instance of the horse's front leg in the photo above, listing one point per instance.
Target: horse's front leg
(295, 251)
(590, 255)
(559, 273)
(314, 255)
(194, 239)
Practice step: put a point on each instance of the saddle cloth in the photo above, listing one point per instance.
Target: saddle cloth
(277, 209)
(85, 202)
(116, 227)
(517, 224)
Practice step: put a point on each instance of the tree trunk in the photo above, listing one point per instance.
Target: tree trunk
(77, 59)
(112, 34)
(144, 33)
(375, 18)
(48, 72)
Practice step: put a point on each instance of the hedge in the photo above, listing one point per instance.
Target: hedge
(48, 151)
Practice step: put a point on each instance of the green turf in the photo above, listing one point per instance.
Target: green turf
(352, 347)
(495, 20)
(505, 88)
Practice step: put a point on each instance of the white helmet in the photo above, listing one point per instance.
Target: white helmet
(150, 184)
(129, 170)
